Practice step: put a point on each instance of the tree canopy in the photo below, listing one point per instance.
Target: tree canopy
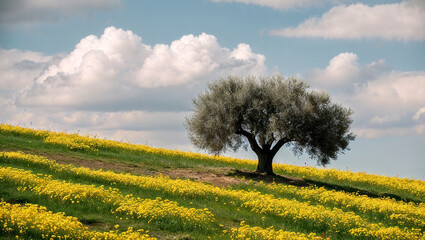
(267, 113)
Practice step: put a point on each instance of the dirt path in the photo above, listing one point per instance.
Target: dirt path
(217, 176)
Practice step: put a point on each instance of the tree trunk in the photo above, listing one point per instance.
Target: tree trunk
(265, 153)
(265, 160)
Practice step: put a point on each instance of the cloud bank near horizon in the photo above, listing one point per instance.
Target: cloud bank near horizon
(386, 102)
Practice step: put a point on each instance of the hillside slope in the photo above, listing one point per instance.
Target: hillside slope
(54, 185)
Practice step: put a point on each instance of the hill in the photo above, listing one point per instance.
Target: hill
(59, 185)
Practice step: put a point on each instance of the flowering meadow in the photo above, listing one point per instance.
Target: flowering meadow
(50, 188)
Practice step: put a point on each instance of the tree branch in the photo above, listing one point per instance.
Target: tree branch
(251, 139)
(279, 144)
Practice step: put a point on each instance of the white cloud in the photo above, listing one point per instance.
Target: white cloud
(341, 70)
(170, 139)
(160, 129)
(116, 86)
(393, 92)
(31, 11)
(128, 120)
(379, 120)
(385, 101)
(117, 70)
(19, 68)
(419, 115)
(399, 21)
(370, 133)
(282, 4)
(345, 70)
(196, 52)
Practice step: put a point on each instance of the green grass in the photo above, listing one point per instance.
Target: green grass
(99, 217)
(225, 212)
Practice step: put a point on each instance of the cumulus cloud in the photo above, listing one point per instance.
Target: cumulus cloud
(118, 71)
(385, 101)
(398, 21)
(395, 91)
(279, 4)
(341, 70)
(19, 68)
(116, 86)
(419, 115)
(391, 104)
(345, 70)
(31, 11)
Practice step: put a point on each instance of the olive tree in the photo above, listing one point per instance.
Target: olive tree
(267, 113)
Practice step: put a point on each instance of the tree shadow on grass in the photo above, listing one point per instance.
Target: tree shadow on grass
(300, 182)
(255, 176)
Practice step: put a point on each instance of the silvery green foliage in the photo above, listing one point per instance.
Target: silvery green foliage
(266, 113)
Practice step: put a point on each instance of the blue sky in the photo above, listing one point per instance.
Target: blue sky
(127, 70)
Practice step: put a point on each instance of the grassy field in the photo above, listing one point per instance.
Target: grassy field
(67, 186)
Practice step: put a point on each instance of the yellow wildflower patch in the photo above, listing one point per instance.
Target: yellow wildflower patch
(37, 220)
(414, 188)
(150, 209)
(337, 220)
